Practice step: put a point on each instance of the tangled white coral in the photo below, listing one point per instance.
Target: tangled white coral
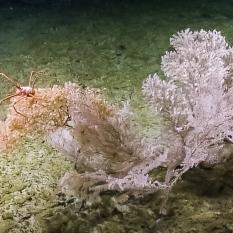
(41, 113)
(109, 155)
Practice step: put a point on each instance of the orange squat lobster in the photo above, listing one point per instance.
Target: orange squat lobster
(21, 90)
(24, 91)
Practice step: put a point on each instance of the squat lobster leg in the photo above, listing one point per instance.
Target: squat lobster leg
(16, 109)
(11, 80)
(8, 97)
(32, 83)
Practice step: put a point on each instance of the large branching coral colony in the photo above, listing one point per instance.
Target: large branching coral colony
(193, 103)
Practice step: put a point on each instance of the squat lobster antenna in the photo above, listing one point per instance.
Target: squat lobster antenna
(11, 80)
(32, 83)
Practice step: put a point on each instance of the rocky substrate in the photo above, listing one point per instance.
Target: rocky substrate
(31, 202)
(28, 183)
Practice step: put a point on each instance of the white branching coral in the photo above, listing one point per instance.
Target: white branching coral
(194, 100)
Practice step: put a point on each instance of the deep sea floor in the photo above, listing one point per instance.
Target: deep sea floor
(111, 45)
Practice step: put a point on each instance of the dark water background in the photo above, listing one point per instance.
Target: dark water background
(112, 45)
(108, 44)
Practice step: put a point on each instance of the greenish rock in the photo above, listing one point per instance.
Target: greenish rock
(7, 215)
(29, 189)
(6, 225)
(17, 185)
